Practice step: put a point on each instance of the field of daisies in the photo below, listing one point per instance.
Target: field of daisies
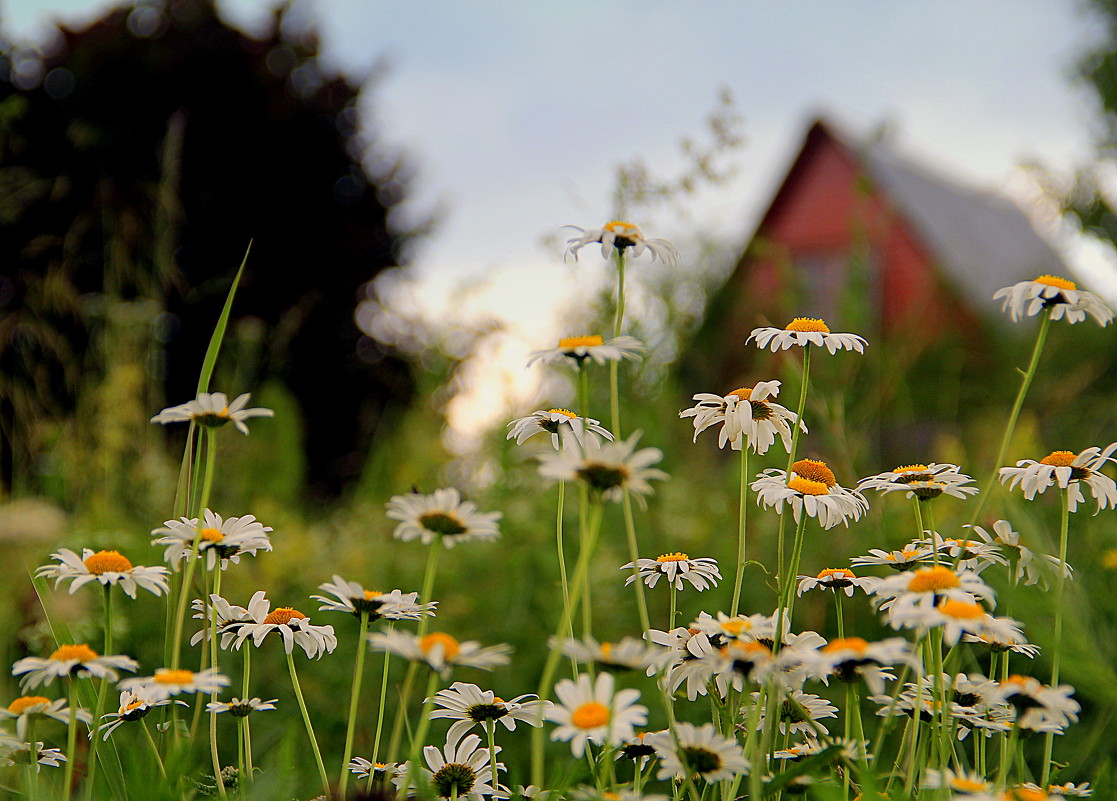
(911, 634)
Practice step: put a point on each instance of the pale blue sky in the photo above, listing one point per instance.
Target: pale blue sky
(515, 114)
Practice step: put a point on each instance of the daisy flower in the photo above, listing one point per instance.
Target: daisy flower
(701, 572)
(1062, 297)
(218, 538)
(1037, 704)
(607, 470)
(559, 423)
(910, 556)
(799, 713)
(954, 617)
(627, 654)
(745, 415)
(230, 618)
(811, 486)
(693, 659)
(134, 705)
(351, 597)
(931, 582)
(964, 554)
(1071, 790)
(461, 769)
(107, 567)
(964, 784)
(836, 578)
(575, 350)
(1068, 471)
(442, 514)
(620, 236)
(240, 708)
(740, 627)
(468, 705)
(439, 651)
(697, 751)
(77, 661)
(593, 712)
(214, 410)
(1029, 566)
(28, 708)
(852, 659)
(167, 683)
(922, 481)
(291, 624)
(383, 770)
(16, 753)
(998, 641)
(804, 331)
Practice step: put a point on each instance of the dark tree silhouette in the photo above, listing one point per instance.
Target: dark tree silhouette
(138, 157)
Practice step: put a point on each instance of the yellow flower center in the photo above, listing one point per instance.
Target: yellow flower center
(371, 594)
(80, 652)
(130, 706)
(907, 553)
(107, 562)
(1059, 459)
(211, 534)
(749, 650)
(606, 650)
(450, 647)
(621, 228)
(168, 676)
(911, 468)
(961, 610)
(1056, 281)
(564, 412)
(590, 715)
(1025, 794)
(22, 704)
(814, 470)
(836, 573)
(744, 393)
(807, 324)
(672, 557)
(808, 487)
(284, 615)
(1017, 680)
(733, 626)
(934, 579)
(584, 341)
(855, 644)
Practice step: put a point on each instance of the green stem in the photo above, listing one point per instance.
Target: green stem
(634, 556)
(71, 741)
(354, 697)
(787, 590)
(102, 692)
(1056, 657)
(491, 729)
(614, 366)
(796, 428)
(560, 550)
(309, 726)
(191, 560)
(248, 766)
(154, 749)
(581, 571)
(1017, 405)
(741, 513)
(213, 752)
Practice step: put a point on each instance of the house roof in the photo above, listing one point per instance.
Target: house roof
(982, 241)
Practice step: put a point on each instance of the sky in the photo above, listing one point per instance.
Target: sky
(514, 115)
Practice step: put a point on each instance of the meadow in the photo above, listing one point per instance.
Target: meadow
(685, 596)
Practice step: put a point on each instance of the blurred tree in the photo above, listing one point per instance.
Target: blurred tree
(138, 157)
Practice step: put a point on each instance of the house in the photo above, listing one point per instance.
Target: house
(873, 244)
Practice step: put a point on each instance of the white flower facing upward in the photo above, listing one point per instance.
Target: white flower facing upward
(627, 654)
(697, 750)
(442, 514)
(811, 487)
(461, 769)
(607, 470)
(701, 572)
(1066, 470)
(167, 683)
(106, 567)
(351, 597)
(292, 625)
(559, 423)
(213, 409)
(595, 713)
(218, 538)
(803, 331)
(469, 705)
(1062, 297)
(28, 708)
(745, 415)
(619, 236)
(70, 661)
(575, 350)
(240, 708)
(440, 651)
(922, 481)
(382, 770)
